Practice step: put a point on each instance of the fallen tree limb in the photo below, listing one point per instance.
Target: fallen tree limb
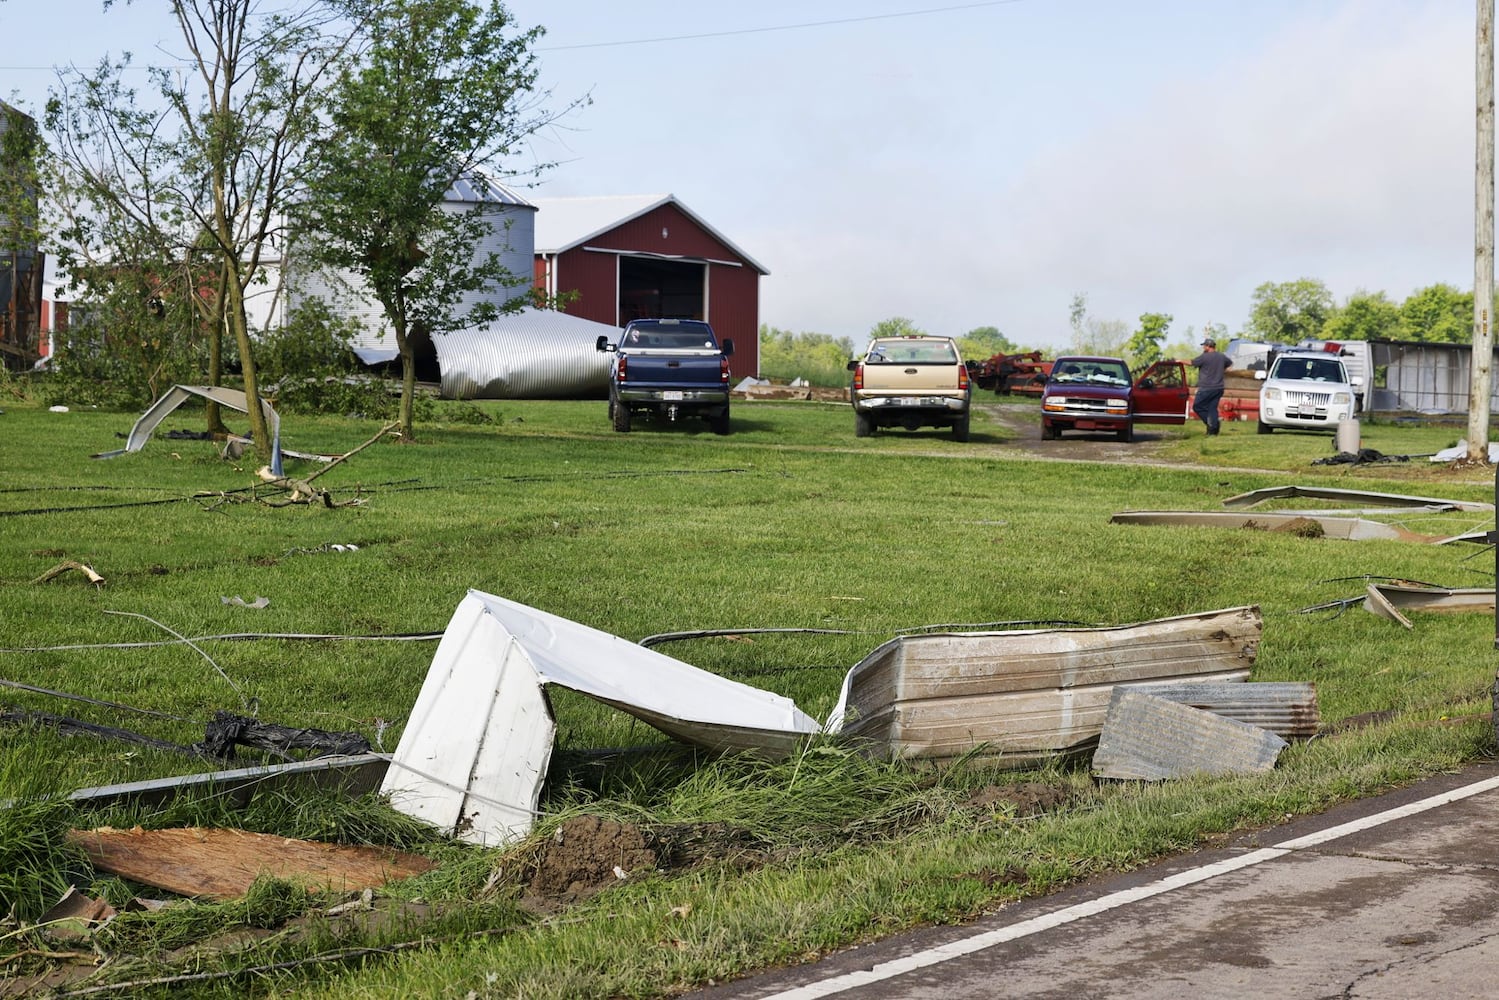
(71, 564)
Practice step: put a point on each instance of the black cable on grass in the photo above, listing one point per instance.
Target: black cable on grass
(229, 636)
(17, 685)
(655, 640)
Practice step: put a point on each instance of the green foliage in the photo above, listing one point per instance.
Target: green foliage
(1290, 311)
(1365, 316)
(819, 358)
(124, 347)
(983, 342)
(895, 326)
(1437, 313)
(1144, 348)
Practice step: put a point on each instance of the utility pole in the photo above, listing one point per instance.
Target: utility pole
(1483, 249)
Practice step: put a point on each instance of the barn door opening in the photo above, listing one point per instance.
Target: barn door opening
(669, 289)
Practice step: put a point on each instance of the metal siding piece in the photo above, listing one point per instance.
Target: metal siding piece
(1350, 528)
(174, 397)
(1389, 599)
(357, 775)
(1286, 708)
(1029, 693)
(1254, 497)
(1150, 738)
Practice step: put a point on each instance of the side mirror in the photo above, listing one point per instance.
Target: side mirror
(1147, 383)
(727, 347)
(602, 344)
(1356, 381)
(853, 365)
(1260, 373)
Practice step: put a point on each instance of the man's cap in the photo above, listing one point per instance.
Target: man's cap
(1209, 342)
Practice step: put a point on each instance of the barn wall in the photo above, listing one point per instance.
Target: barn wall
(733, 292)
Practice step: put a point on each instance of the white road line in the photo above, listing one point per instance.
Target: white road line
(1114, 900)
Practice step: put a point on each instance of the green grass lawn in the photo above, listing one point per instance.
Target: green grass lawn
(790, 522)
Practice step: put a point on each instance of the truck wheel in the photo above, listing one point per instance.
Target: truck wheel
(621, 417)
(1127, 433)
(863, 425)
(1264, 428)
(1049, 431)
(960, 429)
(720, 423)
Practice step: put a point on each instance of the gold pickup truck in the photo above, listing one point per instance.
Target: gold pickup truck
(910, 382)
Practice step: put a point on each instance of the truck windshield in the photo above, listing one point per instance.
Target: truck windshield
(1310, 369)
(673, 338)
(914, 353)
(1097, 372)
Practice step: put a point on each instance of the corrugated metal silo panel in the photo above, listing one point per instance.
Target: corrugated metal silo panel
(1149, 738)
(1286, 708)
(533, 354)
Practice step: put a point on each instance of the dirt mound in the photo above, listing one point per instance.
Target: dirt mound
(1029, 798)
(588, 854)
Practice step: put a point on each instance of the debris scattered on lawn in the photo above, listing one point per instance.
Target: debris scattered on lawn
(226, 731)
(64, 567)
(1149, 738)
(352, 776)
(1350, 528)
(1255, 497)
(174, 397)
(476, 746)
(1460, 451)
(240, 602)
(1390, 600)
(302, 490)
(75, 916)
(1028, 695)
(1364, 456)
(222, 864)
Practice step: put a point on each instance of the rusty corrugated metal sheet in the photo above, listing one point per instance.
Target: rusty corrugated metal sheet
(1150, 738)
(1286, 708)
(1032, 694)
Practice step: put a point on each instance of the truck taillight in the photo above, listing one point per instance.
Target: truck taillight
(619, 369)
(723, 370)
(859, 376)
(963, 377)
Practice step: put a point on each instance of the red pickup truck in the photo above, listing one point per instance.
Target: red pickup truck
(1085, 393)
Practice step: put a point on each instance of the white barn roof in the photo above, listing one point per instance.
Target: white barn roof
(565, 223)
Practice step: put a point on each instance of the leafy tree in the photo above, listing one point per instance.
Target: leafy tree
(442, 90)
(895, 326)
(1144, 347)
(1289, 311)
(189, 190)
(20, 156)
(984, 342)
(819, 358)
(1438, 313)
(1365, 316)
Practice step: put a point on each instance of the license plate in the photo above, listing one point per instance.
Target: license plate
(671, 394)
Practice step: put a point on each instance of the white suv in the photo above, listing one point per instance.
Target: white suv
(1307, 389)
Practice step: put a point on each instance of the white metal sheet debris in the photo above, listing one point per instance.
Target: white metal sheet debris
(1390, 600)
(1286, 708)
(174, 397)
(1351, 528)
(476, 747)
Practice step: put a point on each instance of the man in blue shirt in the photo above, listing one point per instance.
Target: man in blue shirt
(1210, 367)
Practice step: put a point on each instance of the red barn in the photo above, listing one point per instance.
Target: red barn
(645, 256)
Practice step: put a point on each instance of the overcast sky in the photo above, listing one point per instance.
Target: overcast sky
(979, 164)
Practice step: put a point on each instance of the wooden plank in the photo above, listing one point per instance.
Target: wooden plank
(222, 864)
(1150, 738)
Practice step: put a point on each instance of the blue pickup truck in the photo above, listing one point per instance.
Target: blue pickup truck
(669, 368)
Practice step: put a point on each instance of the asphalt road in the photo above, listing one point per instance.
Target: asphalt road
(1382, 899)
